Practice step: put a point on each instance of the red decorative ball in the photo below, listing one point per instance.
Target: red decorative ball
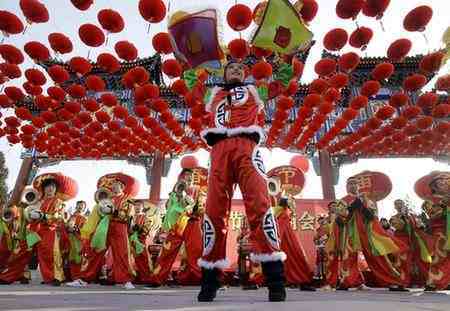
(285, 103)
(346, 9)
(82, 5)
(349, 114)
(35, 76)
(424, 122)
(172, 68)
(309, 10)
(414, 82)
(335, 39)
(428, 100)
(418, 18)
(34, 11)
(111, 20)
(370, 88)
(375, 8)
(385, 112)
(239, 48)
(339, 80)
(348, 61)
(126, 50)
(179, 87)
(318, 86)
(135, 77)
(359, 102)
(312, 100)
(398, 100)
(161, 43)
(80, 65)
(10, 23)
(153, 11)
(12, 71)
(411, 112)
(361, 37)
(239, 17)
(399, 49)
(60, 43)
(432, 62)
(325, 67)
(443, 83)
(399, 122)
(95, 83)
(37, 51)
(91, 35)
(108, 62)
(441, 111)
(261, 70)
(382, 71)
(109, 99)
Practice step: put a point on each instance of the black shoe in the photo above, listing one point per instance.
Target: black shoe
(429, 288)
(250, 287)
(398, 289)
(24, 281)
(210, 285)
(55, 283)
(307, 288)
(342, 288)
(5, 282)
(274, 274)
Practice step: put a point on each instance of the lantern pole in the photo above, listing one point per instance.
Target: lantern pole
(326, 175)
(156, 178)
(21, 181)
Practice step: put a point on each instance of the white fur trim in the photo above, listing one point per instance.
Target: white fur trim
(275, 256)
(214, 91)
(220, 264)
(230, 132)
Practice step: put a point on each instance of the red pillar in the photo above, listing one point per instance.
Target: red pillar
(326, 174)
(21, 181)
(157, 171)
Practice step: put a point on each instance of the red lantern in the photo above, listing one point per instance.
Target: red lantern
(325, 67)
(73, 107)
(385, 112)
(398, 100)
(335, 39)
(414, 82)
(161, 43)
(312, 100)
(12, 71)
(91, 105)
(374, 123)
(431, 63)
(145, 92)
(375, 8)
(120, 112)
(82, 5)
(382, 71)
(10, 23)
(153, 11)
(108, 62)
(411, 112)
(11, 54)
(297, 67)
(76, 91)
(346, 9)
(160, 105)
(172, 68)
(179, 87)
(443, 83)
(91, 35)
(361, 37)
(261, 70)
(418, 18)
(308, 9)
(300, 162)
(399, 122)
(441, 111)
(424, 122)
(58, 74)
(95, 83)
(325, 108)
(239, 17)
(239, 48)
(428, 100)
(399, 49)
(318, 86)
(135, 77)
(285, 103)
(37, 51)
(126, 50)
(359, 102)
(348, 62)
(80, 65)
(349, 114)
(109, 99)
(338, 80)
(14, 93)
(32, 89)
(260, 52)
(370, 88)
(34, 11)
(23, 113)
(35, 76)
(189, 162)
(110, 20)
(60, 43)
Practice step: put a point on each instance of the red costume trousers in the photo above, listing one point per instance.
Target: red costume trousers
(143, 264)
(439, 274)
(4, 251)
(237, 160)
(191, 236)
(118, 241)
(297, 269)
(49, 253)
(17, 264)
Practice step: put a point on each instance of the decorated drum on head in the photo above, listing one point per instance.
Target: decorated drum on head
(375, 185)
(292, 179)
(433, 186)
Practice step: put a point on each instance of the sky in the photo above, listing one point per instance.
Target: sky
(66, 19)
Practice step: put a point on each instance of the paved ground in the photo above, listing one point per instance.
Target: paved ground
(40, 297)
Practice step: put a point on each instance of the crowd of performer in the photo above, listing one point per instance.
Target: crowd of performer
(124, 240)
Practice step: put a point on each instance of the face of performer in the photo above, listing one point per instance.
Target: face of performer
(50, 190)
(235, 73)
(352, 187)
(441, 186)
(117, 187)
(80, 206)
(138, 207)
(399, 205)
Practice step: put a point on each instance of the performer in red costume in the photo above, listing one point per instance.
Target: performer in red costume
(108, 225)
(436, 188)
(341, 268)
(184, 210)
(367, 234)
(146, 222)
(73, 226)
(233, 135)
(49, 224)
(7, 219)
(415, 263)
